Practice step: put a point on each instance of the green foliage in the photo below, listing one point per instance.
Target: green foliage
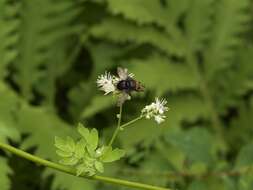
(8, 104)
(8, 24)
(148, 11)
(129, 32)
(85, 155)
(198, 24)
(43, 29)
(5, 171)
(178, 76)
(225, 39)
(197, 144)
(195, 53)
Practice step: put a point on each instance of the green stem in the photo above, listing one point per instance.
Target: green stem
(118, 126)
(131, 122)
(72, 171)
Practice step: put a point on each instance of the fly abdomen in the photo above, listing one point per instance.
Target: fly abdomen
(126, 85)
(122, 85)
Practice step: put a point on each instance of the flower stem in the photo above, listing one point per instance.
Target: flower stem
(118, 126)
(72, 171)
(131, 122)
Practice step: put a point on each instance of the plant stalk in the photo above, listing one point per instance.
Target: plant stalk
(118, 126)
(72, 171)
(130, 122)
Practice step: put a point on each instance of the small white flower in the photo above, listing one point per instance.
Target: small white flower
(131, 75)
(160, 105)
(110, 83)
(99, 152)
(106, 83)
(156, 110)
(159, 118)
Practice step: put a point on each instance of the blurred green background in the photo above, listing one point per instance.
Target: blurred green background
(196, 53)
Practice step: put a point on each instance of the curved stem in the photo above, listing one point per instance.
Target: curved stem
(118, 126)
(72, 171)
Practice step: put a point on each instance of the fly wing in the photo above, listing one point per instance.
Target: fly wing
(122, 73)
(122, 98)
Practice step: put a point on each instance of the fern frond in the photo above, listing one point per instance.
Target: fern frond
(140, 11)
(8, 103)
(234, 82)
(8, 35)
(41, 125)
(44, 23)
(198, 23)
(230, 21)
(186, 107)
(152, 12)
(172, 76)
(238, 136)
(129, 32)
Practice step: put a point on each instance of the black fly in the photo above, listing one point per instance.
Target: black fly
(126, 85)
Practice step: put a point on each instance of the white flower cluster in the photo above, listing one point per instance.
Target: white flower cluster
(106, 82)
(156, 110)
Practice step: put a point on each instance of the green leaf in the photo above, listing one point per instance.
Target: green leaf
(145, 12)
(91, 137)
(85, 169)
(112, 155)
(71, 161)
(9, 102)
(198, 23)
(70, 143)
(44, 29)
(225, 38)
(177, 76)
(45, 122)
(141, 11)
(196, 143)
(80, 169)
(8, 131)
(129, 32)
(99, 166)
(42, 127)
(83, 131)
(9, 23)
(61, 144)
(67, 145)
(64, 153)
(80, 149)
